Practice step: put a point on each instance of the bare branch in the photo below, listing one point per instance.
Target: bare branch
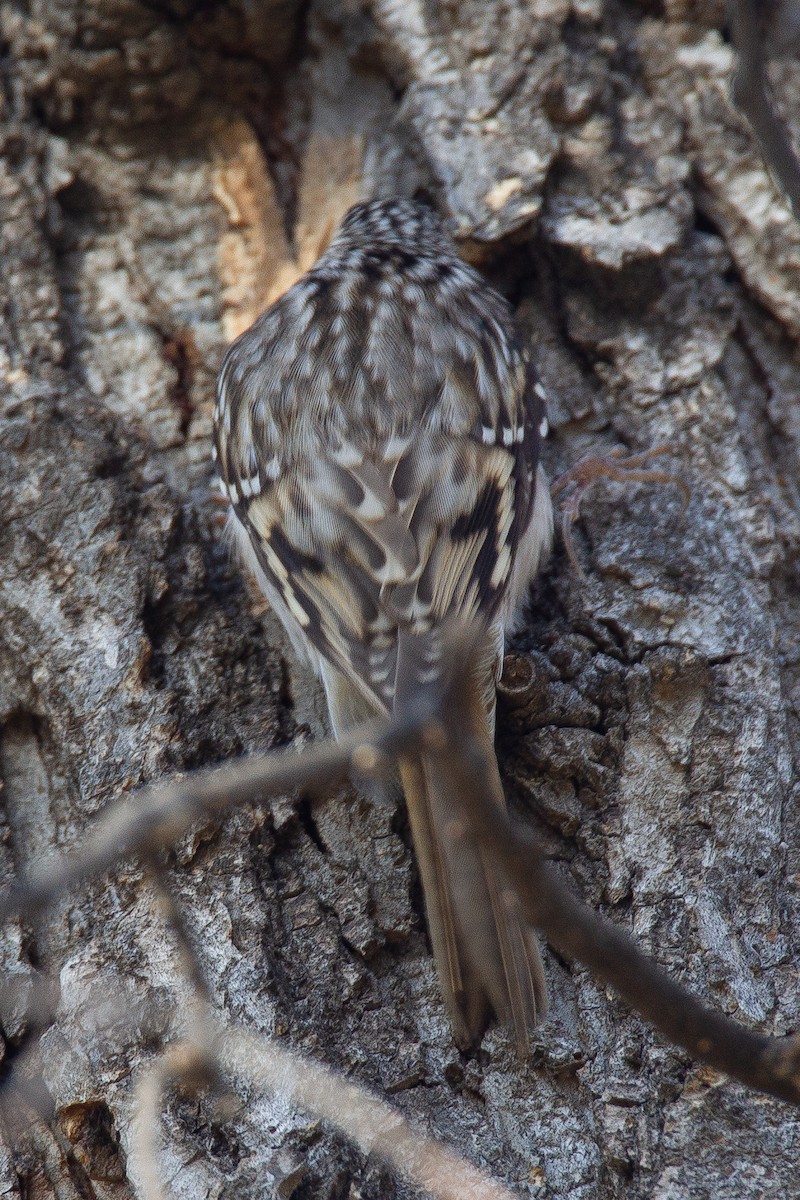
(157, 815)
(177, 1064)
(374, 1126)
(173, 915)
(209, 1052)
(771, 1065)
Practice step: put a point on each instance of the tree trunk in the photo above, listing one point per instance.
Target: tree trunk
(166, 170)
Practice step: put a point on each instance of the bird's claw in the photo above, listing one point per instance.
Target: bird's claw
(616, 466)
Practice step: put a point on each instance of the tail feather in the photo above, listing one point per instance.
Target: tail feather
(488, 961)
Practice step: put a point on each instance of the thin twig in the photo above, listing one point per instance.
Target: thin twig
(173, 915)
(751, 93)
(157, 815)
(374, 1126)
(771, 1065)
(181, 1063)
(160, 814)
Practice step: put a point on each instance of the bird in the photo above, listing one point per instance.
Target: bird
(377, 436)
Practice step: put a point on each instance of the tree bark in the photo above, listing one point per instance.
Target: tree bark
(165, 170)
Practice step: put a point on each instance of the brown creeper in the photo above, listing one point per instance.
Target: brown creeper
(377, 434)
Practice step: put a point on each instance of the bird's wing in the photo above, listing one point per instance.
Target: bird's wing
(368, 541)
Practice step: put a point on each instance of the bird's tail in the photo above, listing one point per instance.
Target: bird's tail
(488, 959)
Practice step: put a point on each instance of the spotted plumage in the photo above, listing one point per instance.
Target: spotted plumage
(377, 434)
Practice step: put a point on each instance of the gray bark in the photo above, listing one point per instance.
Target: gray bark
(152, 160)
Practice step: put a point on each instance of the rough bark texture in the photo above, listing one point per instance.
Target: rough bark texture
(166, 168)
